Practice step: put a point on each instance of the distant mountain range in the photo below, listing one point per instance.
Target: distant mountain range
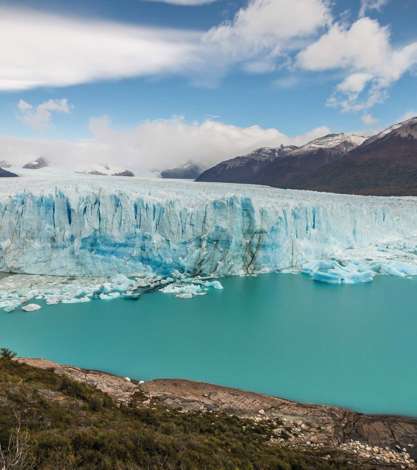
(384, 164)
(41, 163)
(106, 170)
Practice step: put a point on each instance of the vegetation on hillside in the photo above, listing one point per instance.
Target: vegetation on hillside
(50, 422)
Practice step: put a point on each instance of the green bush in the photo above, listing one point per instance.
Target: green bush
(7, 354)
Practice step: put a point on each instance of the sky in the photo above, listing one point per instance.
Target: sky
(150, 84)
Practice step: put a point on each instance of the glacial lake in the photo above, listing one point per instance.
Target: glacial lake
(284, 335)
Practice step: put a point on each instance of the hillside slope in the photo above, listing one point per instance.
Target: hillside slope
(49, 421)
(285, 167)
(6, 174)
(382, 165)
(69, 418)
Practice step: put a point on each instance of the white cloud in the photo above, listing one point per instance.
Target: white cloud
(53, 50)
(152, 145)
(371, 5)
(263, 36)
(365, 53)
(40, 117)
(369, 120)
(187, 3)
(47, 50)
(354, 83)
(266, 30)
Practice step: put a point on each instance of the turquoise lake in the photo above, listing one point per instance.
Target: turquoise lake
(283, 335)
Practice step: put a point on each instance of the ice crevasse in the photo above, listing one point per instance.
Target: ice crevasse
(90, 226)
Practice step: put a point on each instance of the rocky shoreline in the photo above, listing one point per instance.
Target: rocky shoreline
(376, 441)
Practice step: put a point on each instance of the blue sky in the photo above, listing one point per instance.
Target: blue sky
(103, 69)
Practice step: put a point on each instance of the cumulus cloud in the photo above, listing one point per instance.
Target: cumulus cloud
(265, 30)
(40, 117)
(367, 5)
(370, 70)
(264, 36)
(152, 145)
(53, 50)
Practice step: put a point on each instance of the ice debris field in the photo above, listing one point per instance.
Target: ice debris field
(72, 239)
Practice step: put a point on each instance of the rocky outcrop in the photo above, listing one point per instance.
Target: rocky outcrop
(36, 164)
(376, 441)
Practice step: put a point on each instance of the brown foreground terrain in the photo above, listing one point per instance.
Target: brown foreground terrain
(358, 440)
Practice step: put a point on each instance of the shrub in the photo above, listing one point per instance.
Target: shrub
(7, 354)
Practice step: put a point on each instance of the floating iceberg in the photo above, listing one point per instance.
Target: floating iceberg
(188, 288)
(334, 272)
(130, 231)
(31, 307)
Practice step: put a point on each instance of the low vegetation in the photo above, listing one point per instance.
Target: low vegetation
(50, 422)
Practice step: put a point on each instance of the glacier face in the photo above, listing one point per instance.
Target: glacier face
(90, 226)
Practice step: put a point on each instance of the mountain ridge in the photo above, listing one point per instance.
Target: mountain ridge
(284, 167)
(383, 165)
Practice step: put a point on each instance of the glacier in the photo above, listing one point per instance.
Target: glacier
(91, 227)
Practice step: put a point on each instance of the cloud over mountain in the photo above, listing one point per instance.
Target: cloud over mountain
(142, 148)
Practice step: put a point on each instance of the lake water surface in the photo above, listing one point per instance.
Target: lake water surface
(284, 335)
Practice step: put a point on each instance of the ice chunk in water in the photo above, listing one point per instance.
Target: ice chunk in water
(31, 307)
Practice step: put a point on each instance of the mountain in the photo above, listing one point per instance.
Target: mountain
(5, 164)
(284, 167)
(36, 164)
(107, 170)
(189, 170)
(246, 168)
(295, 170)
(6, 174)
(384, 165)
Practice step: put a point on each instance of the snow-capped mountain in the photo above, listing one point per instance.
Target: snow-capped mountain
(285, 167)
(263, 154)
(384, 164)
(406, 129)
(246, 168)
(340, 143)
(106, 170)
(36, 164)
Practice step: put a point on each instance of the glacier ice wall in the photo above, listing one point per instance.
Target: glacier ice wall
(93, 226)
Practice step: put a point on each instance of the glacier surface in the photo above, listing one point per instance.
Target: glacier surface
(143, 228)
